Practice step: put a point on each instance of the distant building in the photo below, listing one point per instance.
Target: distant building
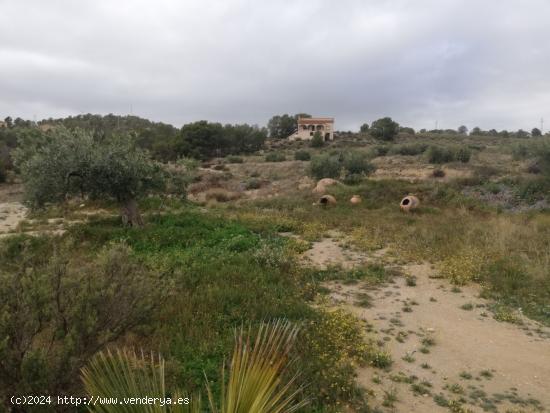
(308, 126)
(3, 124)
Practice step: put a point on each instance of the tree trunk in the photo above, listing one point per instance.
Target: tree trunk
(130, 213)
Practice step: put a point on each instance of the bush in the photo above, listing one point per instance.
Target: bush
(333, 343)
(325, 166)
(384, 129)
(380, 150)
(533, 190)
(234, 159)
(253, 183)
(438, 173)
(439, 155)
(3, 173)
(221, 195)
(463, 155)
(341, 165)
(75, 307)
(275, 157)
(302, 155)
(317, 141)
(409, 149)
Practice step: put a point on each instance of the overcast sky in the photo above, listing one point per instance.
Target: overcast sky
(475, 62)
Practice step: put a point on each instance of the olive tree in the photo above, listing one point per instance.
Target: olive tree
(384, 128)
(65, 163)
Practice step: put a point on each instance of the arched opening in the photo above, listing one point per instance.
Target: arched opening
(320, 127)
(327, 136)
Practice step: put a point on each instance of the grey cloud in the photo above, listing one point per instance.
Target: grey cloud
(452, 61)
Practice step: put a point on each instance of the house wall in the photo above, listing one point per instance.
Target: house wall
(307, 133)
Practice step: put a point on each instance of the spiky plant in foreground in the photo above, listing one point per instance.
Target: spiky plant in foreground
(123, 374)
(255, 384)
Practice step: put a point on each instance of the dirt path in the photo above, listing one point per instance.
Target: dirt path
(12, 211)
(448, 351)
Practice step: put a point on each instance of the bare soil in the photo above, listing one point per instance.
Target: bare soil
(467, 358)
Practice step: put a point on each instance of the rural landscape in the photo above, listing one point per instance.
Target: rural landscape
(307, 206)
(118, 233)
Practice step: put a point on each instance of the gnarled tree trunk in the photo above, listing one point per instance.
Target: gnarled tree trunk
(130, 213)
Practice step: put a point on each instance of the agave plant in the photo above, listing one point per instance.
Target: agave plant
(256, 382)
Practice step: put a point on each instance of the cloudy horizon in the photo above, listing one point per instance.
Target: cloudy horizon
(422, 63)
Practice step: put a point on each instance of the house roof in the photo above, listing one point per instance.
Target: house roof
(309, 121)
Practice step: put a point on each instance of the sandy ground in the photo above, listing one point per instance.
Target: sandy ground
(12, 211)
(484, 363)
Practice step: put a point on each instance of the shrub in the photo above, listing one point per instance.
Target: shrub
(302, 155)
(345, 165)
(384, 129)
(380, 150)
(533, 168)
(439, 155)
(325, 166)
(253, 183)
(75, 307)
(317, 140)
(221, 195)
(438, 173)
(275, 157)
(463, 155)
(535, 189)
(409, 149)
(3, 173)
(333, 343)
(234, 159)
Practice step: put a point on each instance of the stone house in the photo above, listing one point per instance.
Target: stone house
(306, 128)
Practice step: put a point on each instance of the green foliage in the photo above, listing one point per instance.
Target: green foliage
(302, 155)
(275, 157)
(317, 141)
(381, 150)
(234, 159)
(407, 130)
(409, 149)
(333, 342)
(533, 190)
(463, 130)
(3, 172)
(255, 383)
(364, 128)
(463, 155)
(253, 183)
(282, 126)
(441, 154)
(122, 374)
(384, 129)
(205, 140)
(75, 163)
(344, 165)
(55, 311)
